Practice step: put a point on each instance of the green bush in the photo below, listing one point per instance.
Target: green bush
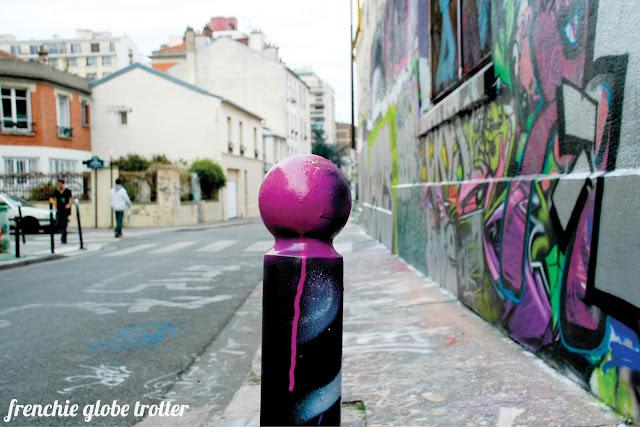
(211, 177)
(132, 163)
(42, 192)
(160, 159)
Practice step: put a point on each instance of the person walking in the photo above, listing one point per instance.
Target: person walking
(119, 202)
(64, 199)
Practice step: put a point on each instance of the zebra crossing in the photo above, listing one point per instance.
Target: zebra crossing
(260, 246)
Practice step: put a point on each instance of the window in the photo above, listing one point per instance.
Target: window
(53, 62)
(59, 165)
(15, 49)
(51, 48)
(106, 60)
(16, 109)
(92, 76)
(64, 117)
(255, 141)
(34, 49)
(95, 47)
(20, 165)
(92, 60)
(84, 107)
(112, 47)
(73, 62)
(123, 118)
(229, 130)
(75, 48)
(62, 48)
(460, 41)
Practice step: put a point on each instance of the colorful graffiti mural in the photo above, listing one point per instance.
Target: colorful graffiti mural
(528, 198)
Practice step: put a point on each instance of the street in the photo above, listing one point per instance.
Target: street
(124, 322)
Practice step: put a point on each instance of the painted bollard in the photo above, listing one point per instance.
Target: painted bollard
(304, 202)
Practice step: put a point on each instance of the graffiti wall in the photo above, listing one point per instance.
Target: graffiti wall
(502, 158)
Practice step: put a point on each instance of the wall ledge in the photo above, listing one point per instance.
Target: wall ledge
(477, 90)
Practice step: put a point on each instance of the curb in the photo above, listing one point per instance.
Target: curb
(21, 263)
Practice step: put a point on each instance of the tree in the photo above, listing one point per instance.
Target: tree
(318, 136)
(329, 152)
(211, 177)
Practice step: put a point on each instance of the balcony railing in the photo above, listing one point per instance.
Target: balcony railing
(20, 126)
(64, 132)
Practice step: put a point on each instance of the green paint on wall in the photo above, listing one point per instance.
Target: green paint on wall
(389, 119)
(612, 388)
(554, 262)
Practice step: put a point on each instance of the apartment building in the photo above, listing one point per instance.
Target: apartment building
(90, 54)
(322, 106)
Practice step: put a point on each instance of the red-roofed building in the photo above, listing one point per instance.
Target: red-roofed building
(44, 118)
(168, 56)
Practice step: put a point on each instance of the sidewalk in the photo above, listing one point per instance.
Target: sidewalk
(414, 356)
(38, 246)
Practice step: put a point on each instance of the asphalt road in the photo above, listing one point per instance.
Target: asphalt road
(117, 323)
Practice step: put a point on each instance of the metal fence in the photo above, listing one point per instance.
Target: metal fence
(40, 186)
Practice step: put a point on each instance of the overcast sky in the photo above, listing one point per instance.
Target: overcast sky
(308, 33)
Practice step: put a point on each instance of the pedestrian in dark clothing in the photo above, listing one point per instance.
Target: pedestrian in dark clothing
(64, 199)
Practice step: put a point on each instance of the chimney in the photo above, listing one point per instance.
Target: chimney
(42, 55)
(256, 41)
(189, 39)
(271, 51)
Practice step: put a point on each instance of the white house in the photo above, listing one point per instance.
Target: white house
(144, 111)
(253, 76)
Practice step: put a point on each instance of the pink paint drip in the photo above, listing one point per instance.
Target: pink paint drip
(296, 319)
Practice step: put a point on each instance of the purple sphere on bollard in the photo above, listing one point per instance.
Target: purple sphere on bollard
(305, 195)
(305, 201)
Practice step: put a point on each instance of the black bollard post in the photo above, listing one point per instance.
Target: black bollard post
(77, 202)
(304, 202)
(20, 215)
(51, 227)
(17, 233)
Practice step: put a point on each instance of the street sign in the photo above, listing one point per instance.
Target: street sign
(94, 163)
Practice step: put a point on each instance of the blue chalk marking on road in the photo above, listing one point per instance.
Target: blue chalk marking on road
(144, 336)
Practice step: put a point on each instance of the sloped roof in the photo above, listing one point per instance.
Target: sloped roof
(5, 55)
(172, 79)
(12, 67)
(180, 47)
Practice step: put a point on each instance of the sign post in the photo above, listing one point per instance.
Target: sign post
(95, 163)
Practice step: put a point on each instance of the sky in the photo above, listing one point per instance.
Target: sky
(307, 33)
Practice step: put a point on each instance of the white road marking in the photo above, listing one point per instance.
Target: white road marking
(217, 246)
(173, 248)
(260, 246)
(133, 249)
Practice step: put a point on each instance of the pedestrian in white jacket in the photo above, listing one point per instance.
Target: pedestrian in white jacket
(119, 202)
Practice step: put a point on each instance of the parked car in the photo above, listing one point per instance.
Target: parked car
(34, 219)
